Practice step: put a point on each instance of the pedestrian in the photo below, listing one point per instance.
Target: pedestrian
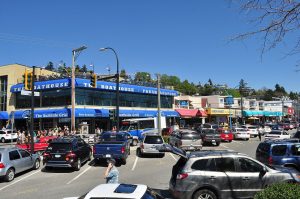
(259, 135)
(111, 174)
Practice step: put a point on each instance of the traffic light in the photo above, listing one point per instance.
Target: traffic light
(28, 80)
(94, 80)
(112, 114)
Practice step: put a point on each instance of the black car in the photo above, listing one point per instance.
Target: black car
(211, 136)
(69, 151)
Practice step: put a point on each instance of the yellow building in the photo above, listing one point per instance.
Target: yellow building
(10, 75)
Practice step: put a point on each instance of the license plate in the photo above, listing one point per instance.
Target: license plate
(108, 155)
(57, 156)
(226, 136)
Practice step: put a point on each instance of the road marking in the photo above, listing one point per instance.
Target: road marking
(173, 156)
(19, 180)
(237, 142)
(79, 175)
(134, 164)
(225, 146)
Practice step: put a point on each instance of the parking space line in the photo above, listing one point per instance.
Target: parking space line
(224, 146)
(19, 180)
(237, 142)
(134, 164)
(173, 156)
(79, 175)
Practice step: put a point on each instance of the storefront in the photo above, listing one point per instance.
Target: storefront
(191, 117)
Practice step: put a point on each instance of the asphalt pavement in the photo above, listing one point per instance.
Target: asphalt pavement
(59, 183)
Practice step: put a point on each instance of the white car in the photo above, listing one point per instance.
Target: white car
(279, 135)
(119, 191)
(267, 129)
(241, 133)
(253, 131)
(6, 135)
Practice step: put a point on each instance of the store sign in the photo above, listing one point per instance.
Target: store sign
(215, 111)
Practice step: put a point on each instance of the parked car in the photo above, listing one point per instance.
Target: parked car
(226, 135)
(222, 174)
(277, 127)
(241, 133)
(266, 129)
(67, 151)
(89, 138)
(8, 135)
(278, 135)
(282, 153)
(14, 160)
(137, 191)
(113, 145)
(39, 146)
(210, 126)
(297, 135)
(285, 126)
(186, 139)
(252, 130)
(149, 145)
(211, 136)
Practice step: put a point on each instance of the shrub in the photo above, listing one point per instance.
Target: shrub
(280, 190)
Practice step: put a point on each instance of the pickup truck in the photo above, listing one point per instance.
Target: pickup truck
(39, 146)
(112, 145)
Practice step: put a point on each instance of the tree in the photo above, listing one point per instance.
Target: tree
(84, 69)
(123, 74)
(275, 20)
(142, 77)
(50, 66)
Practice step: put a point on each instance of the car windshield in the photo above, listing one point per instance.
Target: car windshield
(60, 147)
(251, 127)
(275, 133)
(241, 130)
(190, 136)
(212, 131)
(153, 140)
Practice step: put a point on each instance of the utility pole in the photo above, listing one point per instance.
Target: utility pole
(158, 105)
(32, 111)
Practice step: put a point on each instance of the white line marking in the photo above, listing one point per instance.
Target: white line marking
(79, 175)
(237, 142)
(173, 156)
(134, 164)
(19, 180)
(225, 146)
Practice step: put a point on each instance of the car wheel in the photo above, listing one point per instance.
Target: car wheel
(3, 140)
(230, 140)
(247, 139)
(36, 164)
(10, 175)
(218, 143)
(123, 161)
(134, 142)
(204, 194)
(78, 165)
(162, 155)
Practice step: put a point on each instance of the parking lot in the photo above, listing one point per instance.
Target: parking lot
(58, 183)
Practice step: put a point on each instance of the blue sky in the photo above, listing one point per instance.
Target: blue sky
(188, 39)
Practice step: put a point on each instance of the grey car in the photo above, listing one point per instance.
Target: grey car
(14, 160)
(222, 174)
(186, 139)
(149, 145)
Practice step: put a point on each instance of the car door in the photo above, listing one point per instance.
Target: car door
(15, 158)
(80, 150)
(250, 179)
(26, 159)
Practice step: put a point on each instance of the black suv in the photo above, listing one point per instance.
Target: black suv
(69, 151)
(211, 136)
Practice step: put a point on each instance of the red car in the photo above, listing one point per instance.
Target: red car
(39, 146)
(226, 135)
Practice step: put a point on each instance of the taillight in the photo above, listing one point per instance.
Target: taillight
(123, 150)
(270, 160)
(182, 176)
(46, 155)
(2, 166)
(70, 156)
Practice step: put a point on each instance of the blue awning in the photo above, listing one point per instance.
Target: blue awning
(248, 113)
(272, 113)
(146, 113)
(3, 115)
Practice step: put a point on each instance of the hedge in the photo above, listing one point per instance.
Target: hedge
(280, 191)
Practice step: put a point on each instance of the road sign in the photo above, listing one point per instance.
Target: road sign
(28, 93)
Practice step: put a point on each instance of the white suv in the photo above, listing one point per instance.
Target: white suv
(7, 135)
(149, 145)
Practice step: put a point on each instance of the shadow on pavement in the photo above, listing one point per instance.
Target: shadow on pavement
(101, 163)
(163, 193)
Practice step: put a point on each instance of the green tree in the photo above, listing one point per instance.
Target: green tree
(84, 69)
(123, 74)
(50, 66)
(77, 69)
(142, 77)
(61, 67)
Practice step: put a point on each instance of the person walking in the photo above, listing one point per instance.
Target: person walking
(259, 135)
(111, 174)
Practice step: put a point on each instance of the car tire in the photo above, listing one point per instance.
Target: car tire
(134, 142)
(47, 168)
(36, 164)
(10, 175)
(218, 143)
(3, 140)
(78, 165)
(162, 155)
(123, 161)
(205, 193)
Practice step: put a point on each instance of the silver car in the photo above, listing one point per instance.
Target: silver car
(149, 145)
(14, 160)
(186, 139)
(222, 174)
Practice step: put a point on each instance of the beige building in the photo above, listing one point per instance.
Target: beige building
(13, 74)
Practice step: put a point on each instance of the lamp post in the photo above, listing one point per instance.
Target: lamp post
(158, 105)
(117, 86)
(75, 54)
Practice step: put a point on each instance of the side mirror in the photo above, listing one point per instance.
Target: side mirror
(263, 172)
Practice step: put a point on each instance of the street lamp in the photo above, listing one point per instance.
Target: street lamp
(75, 53)
(117, 86)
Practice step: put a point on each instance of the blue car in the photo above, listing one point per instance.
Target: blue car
(280, 153)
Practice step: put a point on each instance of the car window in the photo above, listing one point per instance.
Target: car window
(190, 136)
(295, 149)
(14, 155)
(200, 165)
(153, 140)
(59, 147)
(275, 133)
(2, 132)
(221, 164)
(279, 150)
(247, 165)
(24, 154)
